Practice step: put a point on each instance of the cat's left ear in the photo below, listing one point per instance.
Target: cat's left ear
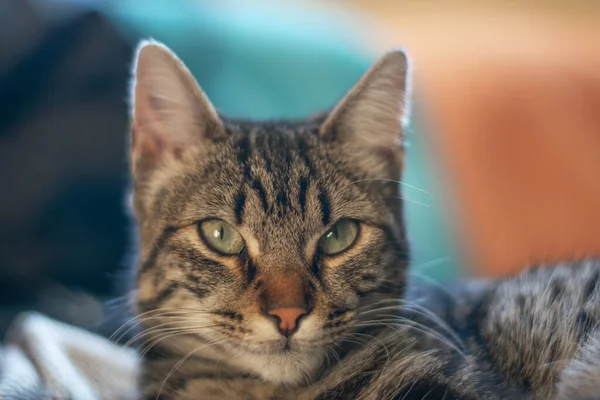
(367, 125)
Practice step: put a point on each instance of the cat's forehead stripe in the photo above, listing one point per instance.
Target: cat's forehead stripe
(277, 161)
(240, 203)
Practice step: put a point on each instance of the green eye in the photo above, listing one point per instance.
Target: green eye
(221, 237)
(339, 238)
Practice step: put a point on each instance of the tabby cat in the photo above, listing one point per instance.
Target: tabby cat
(273, 263)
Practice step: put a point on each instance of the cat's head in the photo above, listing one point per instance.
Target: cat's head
(264, 240)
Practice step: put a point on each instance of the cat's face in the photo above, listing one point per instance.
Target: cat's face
(261, 242)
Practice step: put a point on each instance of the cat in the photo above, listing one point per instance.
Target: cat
(273, 263)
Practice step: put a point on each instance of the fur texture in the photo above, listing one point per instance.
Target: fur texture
(364, 335)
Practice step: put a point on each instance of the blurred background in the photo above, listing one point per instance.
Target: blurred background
(503, 149)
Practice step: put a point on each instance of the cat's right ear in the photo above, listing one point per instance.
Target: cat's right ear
(367, 125)
(170, 113)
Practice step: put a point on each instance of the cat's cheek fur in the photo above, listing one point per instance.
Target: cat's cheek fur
(261, 331)
(310, 329)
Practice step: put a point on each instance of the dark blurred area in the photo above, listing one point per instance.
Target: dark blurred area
(64, 74)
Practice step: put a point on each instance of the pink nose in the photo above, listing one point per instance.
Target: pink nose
(287, 318)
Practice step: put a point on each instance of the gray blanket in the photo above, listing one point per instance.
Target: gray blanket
(46, 359)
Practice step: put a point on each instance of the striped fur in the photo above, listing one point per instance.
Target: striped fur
(281, 185)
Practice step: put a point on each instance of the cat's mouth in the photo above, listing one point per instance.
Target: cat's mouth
(291, 345)
(283, 346)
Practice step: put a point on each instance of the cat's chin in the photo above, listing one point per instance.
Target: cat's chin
(284, 366)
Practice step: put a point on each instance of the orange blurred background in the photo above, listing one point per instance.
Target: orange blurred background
(512, 91)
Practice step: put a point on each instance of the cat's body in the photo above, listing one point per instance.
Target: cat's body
(273, 263)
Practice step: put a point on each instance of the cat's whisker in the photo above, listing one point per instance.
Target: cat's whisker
(307, 377)
(150, 344)
(427, 394)
(147, 332)
(397, 323)
(180, 362)
(390, 180)
(422, 311)
(403, 320)
(155, 341)
(551, 363)
(359, 340)
(327, 355)
(428, 264)
(161, 328)
(158, 337)
(432, 282)
(160, 318)
(351, 338)
(158, 311)
(335, 354)
(388, 355)
(407, 200)
(409, 390)
(130, 322)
